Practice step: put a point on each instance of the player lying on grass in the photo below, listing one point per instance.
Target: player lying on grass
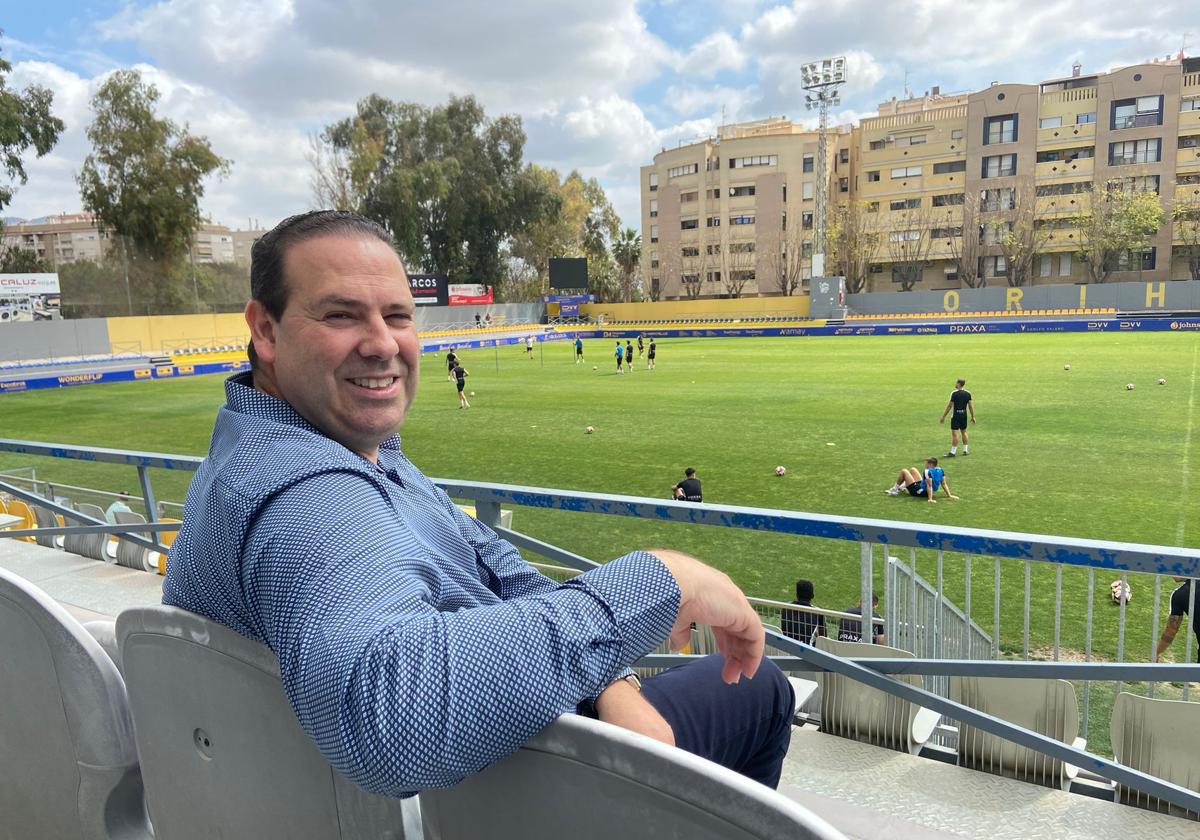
(921, 485)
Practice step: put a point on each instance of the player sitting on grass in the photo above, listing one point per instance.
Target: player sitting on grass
(921, 485)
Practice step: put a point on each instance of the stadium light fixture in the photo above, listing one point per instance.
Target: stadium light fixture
(822, 79)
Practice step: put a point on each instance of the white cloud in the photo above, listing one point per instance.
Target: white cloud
(715, 53)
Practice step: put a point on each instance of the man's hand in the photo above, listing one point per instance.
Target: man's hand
(623, 705)
(707, 596)
(943, 420)
(972, 418)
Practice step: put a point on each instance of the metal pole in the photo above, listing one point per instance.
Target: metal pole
(1154, 629)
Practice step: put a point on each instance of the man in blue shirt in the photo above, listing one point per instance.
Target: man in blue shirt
(415, 646)
(921, 485)
(578, 350)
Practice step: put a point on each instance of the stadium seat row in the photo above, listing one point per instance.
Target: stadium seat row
(911, 316)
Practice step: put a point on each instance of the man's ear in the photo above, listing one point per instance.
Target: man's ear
(262, 331)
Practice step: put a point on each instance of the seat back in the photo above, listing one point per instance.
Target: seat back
(221, 746)
(854, 710)
(68, 766)
(158, 559)
(1048, 707)
(586, 780)
(130, 554)
(87, 545)
(16, 507)
(45, 519)
(1159, 737)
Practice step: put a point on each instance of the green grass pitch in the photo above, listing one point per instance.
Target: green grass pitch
(1069, 453)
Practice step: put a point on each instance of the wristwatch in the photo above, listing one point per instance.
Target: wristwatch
(635, 681)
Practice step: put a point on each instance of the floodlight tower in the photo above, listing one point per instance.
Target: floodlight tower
(822, 79)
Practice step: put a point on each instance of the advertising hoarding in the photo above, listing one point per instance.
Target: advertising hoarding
(29, 297)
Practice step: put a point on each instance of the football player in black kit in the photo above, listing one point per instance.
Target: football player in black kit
(960, 402)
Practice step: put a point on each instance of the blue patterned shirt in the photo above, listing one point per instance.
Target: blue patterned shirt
(416, 646)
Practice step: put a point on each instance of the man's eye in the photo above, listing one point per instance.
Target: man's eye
(337, 316)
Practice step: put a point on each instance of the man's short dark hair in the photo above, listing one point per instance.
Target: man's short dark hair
(689, 472)
(267, 284)
(960, 383)
(804, 590)
(931, 460)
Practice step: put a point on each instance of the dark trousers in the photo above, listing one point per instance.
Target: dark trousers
(745, 727)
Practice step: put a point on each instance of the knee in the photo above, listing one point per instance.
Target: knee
(774, 690)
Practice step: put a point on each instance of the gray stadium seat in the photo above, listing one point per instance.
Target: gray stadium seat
(68, 766)
(1159, 737)
(130, 554)
(221, 747)
(586, 780)
(87, 545)
(45, 519)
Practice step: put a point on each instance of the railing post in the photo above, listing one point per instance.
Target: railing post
(866, 589)
(151, 504)
(1087, 649)
(996, 612)
(1154, 627)
(488, 513)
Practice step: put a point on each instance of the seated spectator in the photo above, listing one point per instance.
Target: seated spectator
(119, 506)
(689, 489)
(850, 630)
(799, 624)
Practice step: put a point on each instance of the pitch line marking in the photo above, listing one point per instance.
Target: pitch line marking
(1187, 445)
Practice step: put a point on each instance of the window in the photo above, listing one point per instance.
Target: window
(654, 259)
(808, 163)
(876, 268)
(906, 172)
(689, 224)
(1045, 262)
(689, 278)
(744, 219)
(1001, 129)
(712, 163)
(806, 220)
(1189, 141)
(741, 276)
(1188, 179)
(999, 166)
(946, 232)
(1050, 122)
(714, 277)
(877, 145)
(806, 249)
(1192, 103)
(905, 204)
(993, 266)
(653, 207)
(1064, 264)
(712, 250)
(715, 193)
(655, 288)
(994, 234)
(1078, 153)
(1069, 188)
(873, 176)
(741, 248)
(755, 160)
(691, 251)
(686, 169)
(1138, 183)
(1085, 119)
(956, 134)
(1135, 151)
(653, 233)
(712, 221)
(1137, 260)
(912, 140)
(905, 236)
(688, 197)
(739, 192)
(844, 156)
(843, 185)
(806, 190)
(1132, 113)
(873, 207)
(1003, 198)
(949, 166)
(948, 200)
(653, 181)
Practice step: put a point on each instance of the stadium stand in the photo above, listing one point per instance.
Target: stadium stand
(16, 507)
(861, 713)
(1160, 737)
(68, 765)
(88, 545)
(1047, 707)
(130, 554)
(1000, 313)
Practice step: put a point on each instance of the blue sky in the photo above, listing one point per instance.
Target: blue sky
(601, 84)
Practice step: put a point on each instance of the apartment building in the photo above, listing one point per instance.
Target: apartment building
(726, 215)
(938, 179)
(76, 236)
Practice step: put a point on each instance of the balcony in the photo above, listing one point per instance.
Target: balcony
(1188, 159)
(1053, 205)
(1065, 134)
(1065, 168)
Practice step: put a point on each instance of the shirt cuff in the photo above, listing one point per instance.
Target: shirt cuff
(642, 599)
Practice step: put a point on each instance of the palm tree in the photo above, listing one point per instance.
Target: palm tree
(627, 252)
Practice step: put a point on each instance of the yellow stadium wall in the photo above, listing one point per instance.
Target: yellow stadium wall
(796, 306)
(152, 333)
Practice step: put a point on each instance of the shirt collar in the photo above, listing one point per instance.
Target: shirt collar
(241, 396)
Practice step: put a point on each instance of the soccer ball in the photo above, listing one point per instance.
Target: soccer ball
(781, 470)
(1129, 387)
(1162, 382)
(1066, 367)
(588, 430)
(594, 367)
(472, 393)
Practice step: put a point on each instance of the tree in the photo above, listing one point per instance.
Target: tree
(909, 242)
(331, 181)
(448, 182)
(853, 237)
(25, 122)
(21, 261)
(737, 266)
(627, 252)
(1115, 222)
(1186, 217)
(145, 176)
(1017, 233)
